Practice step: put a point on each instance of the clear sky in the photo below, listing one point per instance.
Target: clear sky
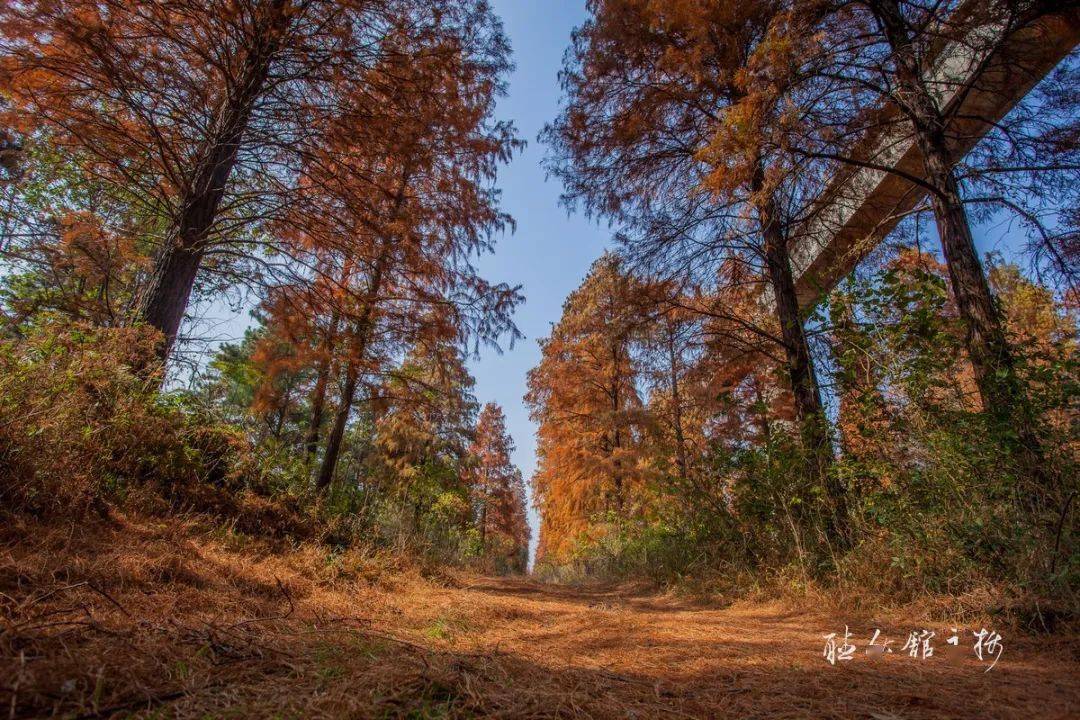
(551, 250)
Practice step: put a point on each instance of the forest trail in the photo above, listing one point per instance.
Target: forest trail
(147, 619)
(624, 653)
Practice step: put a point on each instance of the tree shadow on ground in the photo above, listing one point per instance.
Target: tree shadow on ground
(152, 623)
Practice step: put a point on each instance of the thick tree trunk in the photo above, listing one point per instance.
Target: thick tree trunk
(990, 355)
(165, 299)
(809, 411)
(318, 399)
(987, 345)
(804, 387)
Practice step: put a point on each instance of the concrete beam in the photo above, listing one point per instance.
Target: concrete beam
(976, 84)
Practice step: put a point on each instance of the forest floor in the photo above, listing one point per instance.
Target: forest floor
(144, 618)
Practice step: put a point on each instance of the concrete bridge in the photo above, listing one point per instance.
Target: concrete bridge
(977, 81)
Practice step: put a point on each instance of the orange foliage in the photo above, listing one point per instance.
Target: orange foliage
(498, 489)
(221, 118)
(590, 416)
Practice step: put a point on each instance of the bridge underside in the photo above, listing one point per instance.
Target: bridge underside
(864, 205)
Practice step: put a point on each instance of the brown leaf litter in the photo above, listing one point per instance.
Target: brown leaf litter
(148, 619)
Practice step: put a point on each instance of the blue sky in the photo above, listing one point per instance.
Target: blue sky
(551, 250)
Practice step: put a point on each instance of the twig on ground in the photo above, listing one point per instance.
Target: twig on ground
(288, 597)
(132, 704)
(108, 597)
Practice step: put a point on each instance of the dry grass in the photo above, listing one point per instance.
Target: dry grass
(147, 618)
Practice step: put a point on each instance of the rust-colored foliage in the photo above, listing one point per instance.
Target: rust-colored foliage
(498, 490)
(219, 118)
(651, 86)
(590, 415)
(337, 157)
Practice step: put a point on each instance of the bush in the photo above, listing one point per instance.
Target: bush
(80, 426)
(948, 520)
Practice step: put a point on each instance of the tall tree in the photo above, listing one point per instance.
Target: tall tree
(649, 86)
(411, 208)
(210, 114)
(583, 396)
(498, 490)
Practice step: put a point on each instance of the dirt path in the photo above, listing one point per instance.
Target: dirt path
(153, 621)
(612, 653)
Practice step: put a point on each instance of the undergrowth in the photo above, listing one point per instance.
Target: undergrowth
(941, 507)
(85, 430)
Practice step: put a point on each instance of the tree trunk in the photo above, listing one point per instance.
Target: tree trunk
(616, 437)
(990, 355)
(763, 411)
(676, 404)
(361, 337)
(283, 411)
(165, 299)
(483, 524)
(318, 400)
(987, 345)
(318, 406)
(809, 411)
(337, 431)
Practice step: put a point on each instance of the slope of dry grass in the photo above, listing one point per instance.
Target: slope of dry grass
(145, 618)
